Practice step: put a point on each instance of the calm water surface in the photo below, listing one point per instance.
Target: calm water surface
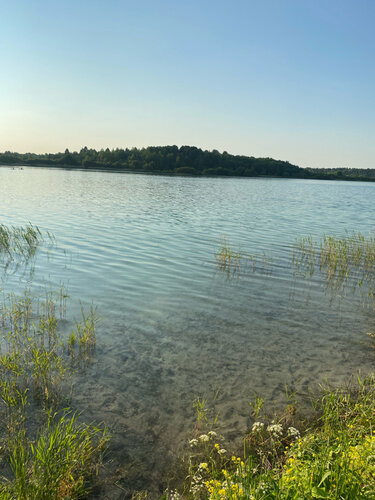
(141, 248)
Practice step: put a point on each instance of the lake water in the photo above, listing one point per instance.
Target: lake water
(142, 249)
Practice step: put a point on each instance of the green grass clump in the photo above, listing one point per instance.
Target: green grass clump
(32, 357)
(57, 464)
(81, 342)
(47, 456)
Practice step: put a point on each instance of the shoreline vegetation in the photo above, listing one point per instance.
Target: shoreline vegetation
(328, 454)
(323, 449)
(184, 160)
(47, 451)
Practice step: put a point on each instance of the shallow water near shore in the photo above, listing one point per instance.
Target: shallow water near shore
(142, 249)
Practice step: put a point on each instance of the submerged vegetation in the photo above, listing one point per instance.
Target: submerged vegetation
(45, 452)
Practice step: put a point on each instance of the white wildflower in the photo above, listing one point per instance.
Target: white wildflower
(212, 434)
(222, 451)
(275, 429)
(173, 495)
(193, 442)
(257, 426)
(293, 432)
(204, 438)
(262, 486)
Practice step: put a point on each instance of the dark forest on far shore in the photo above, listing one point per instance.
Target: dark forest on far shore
(184, 160)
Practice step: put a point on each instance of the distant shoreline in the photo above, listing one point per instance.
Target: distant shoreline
(184, 161)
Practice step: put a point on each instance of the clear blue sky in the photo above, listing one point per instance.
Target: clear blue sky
(289, 79)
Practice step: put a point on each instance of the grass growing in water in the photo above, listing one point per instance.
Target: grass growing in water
(18, 245)
(57, 463)
(233, 262)
(82, 340)
(48, 455)
(21, 240)
(227, 259)
(342, 261)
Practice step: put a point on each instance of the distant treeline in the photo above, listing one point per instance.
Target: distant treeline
(355, 174)
(186, 160)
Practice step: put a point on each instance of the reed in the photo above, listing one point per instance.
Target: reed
(18, 246)
(343, 262)
(21, 240)
(236, 262)
(81, 342)
(227, 259)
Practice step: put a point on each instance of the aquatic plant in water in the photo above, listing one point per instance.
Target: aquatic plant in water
(82, 340)
(18, 245)
(343, 262)
(21, 240)
(227, 259)
(235, 261)
(49, 455)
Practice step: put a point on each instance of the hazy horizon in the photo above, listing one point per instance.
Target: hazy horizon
(288, 80)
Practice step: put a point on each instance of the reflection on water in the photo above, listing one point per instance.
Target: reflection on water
(142, 249)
